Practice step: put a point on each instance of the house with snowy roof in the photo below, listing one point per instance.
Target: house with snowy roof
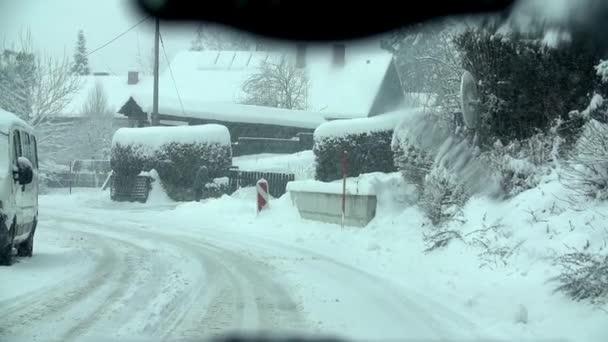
(201, 87)
(68, 135)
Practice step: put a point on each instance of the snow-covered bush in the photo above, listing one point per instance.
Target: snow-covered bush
(175, 152)
(584, 276)
(443, 196)
(519, 166)
(586, 172)
(411, 160)
(367, 143)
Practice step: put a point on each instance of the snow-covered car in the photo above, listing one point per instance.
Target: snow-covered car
(18, 187)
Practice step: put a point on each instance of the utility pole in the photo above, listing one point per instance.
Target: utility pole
(155, 120)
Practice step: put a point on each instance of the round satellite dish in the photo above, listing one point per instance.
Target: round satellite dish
(469, 100)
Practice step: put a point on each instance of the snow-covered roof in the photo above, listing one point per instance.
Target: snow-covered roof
(218, 76)
(115, 87)
(151, 138)
(231, 112)
(8, 119)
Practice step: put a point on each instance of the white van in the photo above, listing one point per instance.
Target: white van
(18, 187)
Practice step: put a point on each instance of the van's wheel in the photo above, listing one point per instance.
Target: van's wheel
(26, 248)
(6, 252)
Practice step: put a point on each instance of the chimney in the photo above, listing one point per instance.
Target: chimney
(133, 77)
(339, 55)
(300, 56)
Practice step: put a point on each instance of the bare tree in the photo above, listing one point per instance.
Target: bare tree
(34, 86)
(428, 62)
(280, 85)
(53, 88)
(98, 117)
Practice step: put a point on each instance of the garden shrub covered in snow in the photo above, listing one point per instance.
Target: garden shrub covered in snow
(587, 170)
(175, 152)
(443, 196)
(584, 276)
(367, 142)
(413, 162)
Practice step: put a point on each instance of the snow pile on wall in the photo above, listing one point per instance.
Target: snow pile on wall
(157, 195)
(301, 164)
(384, 122)
(152, 138)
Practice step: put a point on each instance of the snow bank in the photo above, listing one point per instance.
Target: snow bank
(154, 137)
(157, 194)
(383, 122)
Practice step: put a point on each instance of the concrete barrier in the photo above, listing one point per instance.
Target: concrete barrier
(327, 207)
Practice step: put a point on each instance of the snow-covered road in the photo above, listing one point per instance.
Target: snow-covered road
(118, 277)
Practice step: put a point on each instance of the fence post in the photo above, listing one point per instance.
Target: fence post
(344, 169)
(262, 190)
(70, 178)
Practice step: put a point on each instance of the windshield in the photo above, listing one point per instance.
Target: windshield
(446, 180)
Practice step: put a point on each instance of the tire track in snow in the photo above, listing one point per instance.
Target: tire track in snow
(29, 309)
(437, 319)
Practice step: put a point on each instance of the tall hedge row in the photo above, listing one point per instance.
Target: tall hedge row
(525, 83)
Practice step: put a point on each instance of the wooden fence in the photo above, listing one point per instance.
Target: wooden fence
(277, 182)
(130, 189)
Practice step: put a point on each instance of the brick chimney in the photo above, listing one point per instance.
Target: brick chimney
(301, 55)
(133, 77)
(339, 55)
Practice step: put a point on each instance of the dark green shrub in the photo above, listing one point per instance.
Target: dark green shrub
(367, 142)
(177, 165)
(128, 160)
(366, 152)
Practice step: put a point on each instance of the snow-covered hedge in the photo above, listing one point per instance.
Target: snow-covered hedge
(175, 152)
(367, 142)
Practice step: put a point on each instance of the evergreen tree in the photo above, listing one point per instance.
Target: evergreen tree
(81, 61)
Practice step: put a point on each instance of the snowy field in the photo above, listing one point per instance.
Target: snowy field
(166, 270)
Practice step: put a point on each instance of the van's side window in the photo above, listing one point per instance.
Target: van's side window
(26, 149)
(34, 152)
(17, 144)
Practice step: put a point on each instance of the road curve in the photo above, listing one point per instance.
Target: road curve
(173, 283)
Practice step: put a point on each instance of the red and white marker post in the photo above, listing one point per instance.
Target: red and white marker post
(262, 189)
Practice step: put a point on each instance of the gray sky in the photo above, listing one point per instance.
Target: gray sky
(54, 26)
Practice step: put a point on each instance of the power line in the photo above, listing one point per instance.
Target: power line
(171, 72)
(120, 35)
